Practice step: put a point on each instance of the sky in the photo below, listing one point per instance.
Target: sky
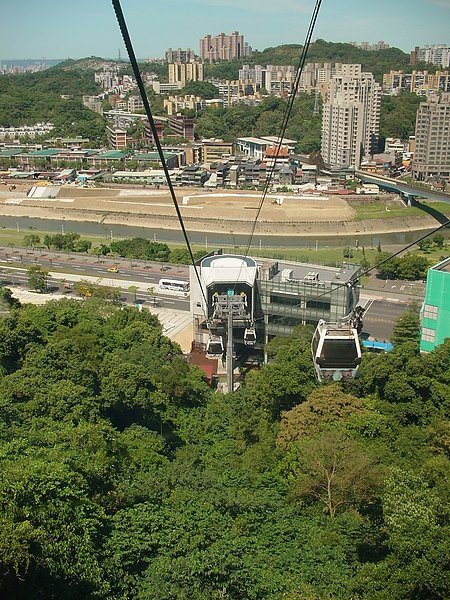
(77, 28)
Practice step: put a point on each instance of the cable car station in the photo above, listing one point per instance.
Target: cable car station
(245, 302)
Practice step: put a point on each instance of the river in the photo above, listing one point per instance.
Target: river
(210, 239)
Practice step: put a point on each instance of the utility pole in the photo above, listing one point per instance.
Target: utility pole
(230, 348)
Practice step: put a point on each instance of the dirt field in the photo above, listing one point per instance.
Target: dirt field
(213, 211)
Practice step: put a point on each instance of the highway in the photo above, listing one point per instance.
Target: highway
(384, 301)
(72, 267)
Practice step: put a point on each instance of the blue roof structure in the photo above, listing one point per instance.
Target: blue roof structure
(378, 346)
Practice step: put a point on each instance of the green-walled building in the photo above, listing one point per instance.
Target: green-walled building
(435, 312)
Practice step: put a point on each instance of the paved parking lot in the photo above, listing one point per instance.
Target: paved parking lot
(387, 287)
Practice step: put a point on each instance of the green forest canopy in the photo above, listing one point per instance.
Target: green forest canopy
(36, 97)
(125, 476)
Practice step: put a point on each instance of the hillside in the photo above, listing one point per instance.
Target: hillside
(377, 62)
(125, 477)
(35, 97)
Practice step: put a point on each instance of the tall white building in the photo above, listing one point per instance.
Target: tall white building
(350, 118)
(436, 54)
(432, 152)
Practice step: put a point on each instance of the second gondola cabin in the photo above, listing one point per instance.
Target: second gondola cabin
(336, 351)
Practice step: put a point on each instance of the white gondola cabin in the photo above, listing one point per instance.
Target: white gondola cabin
(336, 351)
(214, 346)
(250, 336)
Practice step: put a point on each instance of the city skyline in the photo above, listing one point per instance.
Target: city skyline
(82, 28)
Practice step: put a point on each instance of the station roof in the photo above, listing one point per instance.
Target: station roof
(228, 268)
(152, 174)
(23, 174)
(275, 140)
(326, 274)
(254, 140)
(152, 156)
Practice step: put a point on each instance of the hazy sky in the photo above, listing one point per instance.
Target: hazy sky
(78, 28)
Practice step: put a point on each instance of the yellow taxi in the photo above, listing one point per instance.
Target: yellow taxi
(113, 270)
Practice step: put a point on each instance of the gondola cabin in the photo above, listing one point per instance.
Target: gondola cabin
(336, 351)
(214, 347)
(250, 336)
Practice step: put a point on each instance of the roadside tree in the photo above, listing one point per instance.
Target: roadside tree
(31, 240)
(37, 278)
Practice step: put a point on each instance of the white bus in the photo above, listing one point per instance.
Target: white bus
(174, 284)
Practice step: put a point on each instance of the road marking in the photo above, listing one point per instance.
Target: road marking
(367, 305)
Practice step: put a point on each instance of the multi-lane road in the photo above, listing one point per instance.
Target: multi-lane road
(72, 267)
(384, 303)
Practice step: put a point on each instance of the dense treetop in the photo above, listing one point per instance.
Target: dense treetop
(125, 477)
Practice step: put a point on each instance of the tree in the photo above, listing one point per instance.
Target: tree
(387, 265)
(407, 327)
(348, 252)
(82, 246)
(425, 245)
(32, 240)
(284, 382)
(334, 470)
(438, 240)
(323, 406)
(37, 278)
(133, 289)
(48, 241)
(97, 251)
(398, 115)
(412, 266)
(200, 88)
(417, 541)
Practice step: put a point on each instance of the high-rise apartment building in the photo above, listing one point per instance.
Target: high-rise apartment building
(432, 152)
(350, 118)
(179, 55)
(183, 72)
(381, 45)
(436, 54)
(223, 47)
(419, 82)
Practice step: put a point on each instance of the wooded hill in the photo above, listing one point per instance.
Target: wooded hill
(320, 51)
(29, 98)
(125, 477)
(35, 97)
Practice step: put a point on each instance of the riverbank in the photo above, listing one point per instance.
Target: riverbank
(219, 212)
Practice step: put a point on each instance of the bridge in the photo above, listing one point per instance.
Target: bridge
(409, 191)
